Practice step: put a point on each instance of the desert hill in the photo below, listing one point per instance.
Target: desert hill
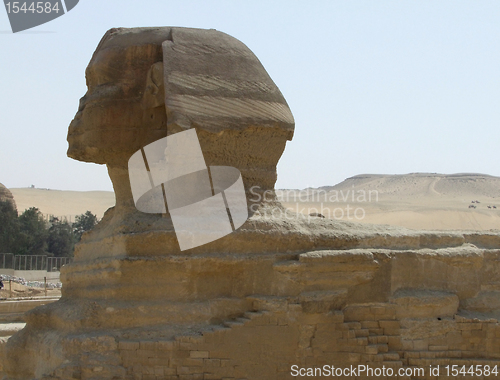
(418, 200)
(63, 204)
(425, 184)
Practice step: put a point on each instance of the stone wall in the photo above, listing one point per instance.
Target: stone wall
(265, 345)
(332, 320)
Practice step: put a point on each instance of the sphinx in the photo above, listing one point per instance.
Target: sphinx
(281, 289)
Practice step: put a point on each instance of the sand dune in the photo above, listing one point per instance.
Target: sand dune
(418, 200)
(64, 204)
(424, 184)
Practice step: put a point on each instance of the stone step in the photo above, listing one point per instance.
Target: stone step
(376, 332)
(362, 333)
(378, 339)
(243, 320)
(235, 323)
(383, 348)
(391, 356)
(246, 318)
(254, 314)
(269, 303)
(371, 349)
(374, 349)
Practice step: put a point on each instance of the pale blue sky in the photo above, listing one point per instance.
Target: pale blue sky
(375, 86)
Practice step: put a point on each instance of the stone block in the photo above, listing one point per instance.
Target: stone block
(420, 345)
(189, 370)
(392, 332)
(181, 354)
(158, 361)
(167, 345)
(128, 345)
(369, 325)
(391, 356)
(407, 344)
(354, 325)
(438, 348)
(209, 363)
(382, 339)
(362, 341)
(148, 345)
(394, 343)
(358, 313)
(389, 324)
(148, 370)
(199, 354)
(192, 362)
(362, 333)
(383, 348)
(146, 353)
(194, 376)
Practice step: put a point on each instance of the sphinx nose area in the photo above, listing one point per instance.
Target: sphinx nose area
(82, 103)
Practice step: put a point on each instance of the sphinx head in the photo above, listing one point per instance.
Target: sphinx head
(112, 121)
(147, 83)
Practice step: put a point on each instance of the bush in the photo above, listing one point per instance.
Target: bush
(33, 233)
(84, 223)
(30, 234)
(61, 239)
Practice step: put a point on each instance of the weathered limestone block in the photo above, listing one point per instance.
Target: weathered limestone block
(412, 303)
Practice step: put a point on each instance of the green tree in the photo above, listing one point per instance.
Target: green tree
(33, 233)
(60, 240)
(84, 222)
(9, 227)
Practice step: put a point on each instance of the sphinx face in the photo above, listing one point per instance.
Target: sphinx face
(114, 117)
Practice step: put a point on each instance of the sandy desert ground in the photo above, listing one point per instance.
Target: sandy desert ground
(419, 201)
